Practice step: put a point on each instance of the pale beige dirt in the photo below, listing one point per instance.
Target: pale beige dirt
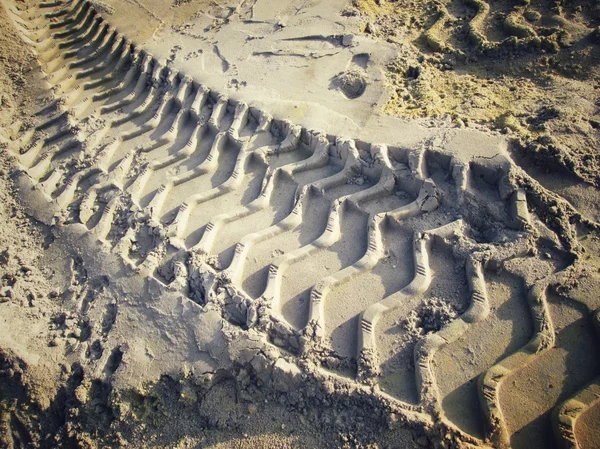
(97, 350)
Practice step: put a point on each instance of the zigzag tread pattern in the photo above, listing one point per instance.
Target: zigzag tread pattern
(486, 28)
(322, 242)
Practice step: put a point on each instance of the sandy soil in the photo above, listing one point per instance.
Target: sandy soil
(365, 224)
(529, 69)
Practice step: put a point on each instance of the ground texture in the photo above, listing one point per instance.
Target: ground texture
(345, 224)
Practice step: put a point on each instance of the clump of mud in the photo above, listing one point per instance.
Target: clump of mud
(351, 84)
(430, 317)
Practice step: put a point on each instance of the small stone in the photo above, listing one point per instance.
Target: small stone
(53, 343)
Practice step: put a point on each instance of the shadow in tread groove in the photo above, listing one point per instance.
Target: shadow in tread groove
(458, 365)
(391, 273)
(529, 395)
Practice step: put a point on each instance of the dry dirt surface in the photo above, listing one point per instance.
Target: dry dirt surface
(197, 251)
(528, 68)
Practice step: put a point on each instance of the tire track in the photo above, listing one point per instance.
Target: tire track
(276, 224)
